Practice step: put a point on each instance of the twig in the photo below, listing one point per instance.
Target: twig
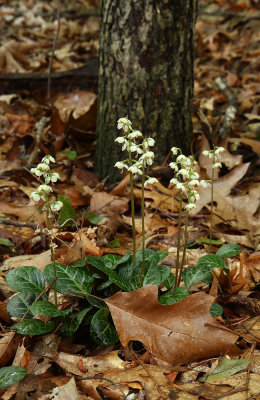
(52, 53)
(8, 221)
(248, 369)
(229, 14)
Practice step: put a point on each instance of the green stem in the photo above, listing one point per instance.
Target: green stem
(184, 246)
(51, 248)
(178, 241)
(211, 205)
(143, 229)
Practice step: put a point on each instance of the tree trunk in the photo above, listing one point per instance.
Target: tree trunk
(146, 74)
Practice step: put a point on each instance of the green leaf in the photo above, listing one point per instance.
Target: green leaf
(72, 154)
(216, 310)
(169, 282)
(228, 250)
(212, 261)
(114, 244)
(208, 241)
(226, 368)
(69, 279)
(18, 305)
(95, 219)
(165, 272)
(153, 276)
(72, 322)
(169, 298)
(67, 212)
(194, 275)
(33, 327)
(121, 282)
(6, 242)
(47, 308)
(10, 375)
(26, 280)
(102, 331)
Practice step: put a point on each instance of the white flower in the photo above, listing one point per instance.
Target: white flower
(194, 182)
(174, 166)
(174, 181)
(206, 153)
(187, 162)
(181, 186)
(124, 123)
(120, 165)
(184, 172)
(36, 171)
(150, 141)
(204, 184)
(181, 158)
(36, 196)
(125, 145)
(150, 181)
(43, 167)
(133, 148)
(219, 150)
(52, 177)
(175, 150)
(216, 165)
(190, 206)
(44, 189)
(56, 205)
(134, 134)
(47, 159)
(194, 174)
(120, 139)
(195, 196)
(135, 170)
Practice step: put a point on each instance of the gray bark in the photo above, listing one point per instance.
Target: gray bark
(146, 73)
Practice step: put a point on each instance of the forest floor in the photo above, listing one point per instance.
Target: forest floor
(72, 351)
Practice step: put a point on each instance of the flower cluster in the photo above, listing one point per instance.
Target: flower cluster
(43, 191)
(143, 155)
(187, 179)
(214, 155)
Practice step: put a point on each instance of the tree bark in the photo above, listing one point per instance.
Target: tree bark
(146, 74)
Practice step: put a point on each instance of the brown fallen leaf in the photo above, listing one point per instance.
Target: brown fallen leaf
(178, 333)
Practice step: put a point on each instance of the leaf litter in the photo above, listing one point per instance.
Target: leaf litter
(224, 35)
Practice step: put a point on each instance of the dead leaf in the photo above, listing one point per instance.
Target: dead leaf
(35, 260)
(102, 202)
(178, 333)
(66, 392)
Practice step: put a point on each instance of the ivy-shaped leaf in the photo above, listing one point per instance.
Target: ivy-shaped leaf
(170, 298)
(72, 322)
(18, 305)
(102, 331)
(26, 279)
(216, 310)
(33, 327)
(211, 261)
(194, 275)
(47, 308)
(11, 375)
(70, 279)
(228, 250)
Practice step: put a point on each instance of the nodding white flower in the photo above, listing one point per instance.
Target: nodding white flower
(135, 170)
(194, 174)
(44, 189)
(120, 165)
(150, 181)
(150, 141)
(125, 145)
(175, 150)
(193, 182)
(206, 153)
(56, 205)
(174, 181)
(216, 165)
(36, 171)
(181, 186)
(124, 123)
(219, 150)
(120, 139)
(174, 166)
(36, 196)
(183, 172)
(190, 206)
(195, 196)
(139, 150)
(204, 184)
(47, 159)
(133, 148)
(52, 177)
(187, 162)
(181, 158)
(43, 167)
(134, 134)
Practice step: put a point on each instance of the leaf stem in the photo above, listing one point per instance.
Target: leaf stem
(47, 205)
(184, 246)
(211, 204)
(143, 228)
(132, 209)
(178, 241)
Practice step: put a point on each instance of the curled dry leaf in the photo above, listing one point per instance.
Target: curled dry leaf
(179, 333)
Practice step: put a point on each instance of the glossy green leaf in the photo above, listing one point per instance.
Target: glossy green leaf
(229, 250)
(152, 276)
(169, 282)
(216, 310)
(10, 375)
(6, 242)
(72, 154)
(226, 368)
(47, 308)
(170, 298)
(26, 280)
(72, 322)
(194, 275)
(18, 305)
(212, 261)
(94, 219)
(102, 331)
(67, 214)
(113, 276)
(33, 327)
(70, 279)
